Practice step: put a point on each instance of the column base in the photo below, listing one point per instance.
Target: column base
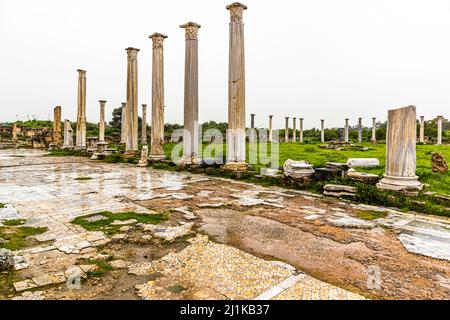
(79, 148)
(157, 157)
(187, 160)
(236, 166)
(102, 146)
(408, 185)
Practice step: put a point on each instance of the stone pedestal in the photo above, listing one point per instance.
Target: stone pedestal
(80, 143)
(191, 134)
(68, 135)
(439, 130)
(57, 127)
(14, 132)
(422, 130)
(131, 118)
(102, 146)
(322, 130)
(144, 124)
(101, 124)
(294, 130)
(123, 123)
(236, 136)
(374, 130)
(301, 130)
(346, 130)
(157, 133)
(401, 152)
(270, 128)
(286, 130)
(359, 130)
(144, 157)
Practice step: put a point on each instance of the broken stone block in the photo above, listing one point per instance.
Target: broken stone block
(339, 190)
(95, 218)
(298, 169)
(323, 174)
(368, 178)
(363, 162)
(270, 172)
(124, 223)
(120, 264)
(438, 163)
(42, 280)
(24, 285)
(6, 260)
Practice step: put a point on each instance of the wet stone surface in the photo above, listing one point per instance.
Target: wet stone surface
(223, 239)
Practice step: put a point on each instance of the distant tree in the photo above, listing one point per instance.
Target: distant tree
(116, 121)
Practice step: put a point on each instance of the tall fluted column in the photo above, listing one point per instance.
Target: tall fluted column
(439, 130)
(286, 130)
(101, 124)
(144, 124)
(81, 111)
(157, 133)
(131, 118)
(236, 90)
(123, 123)
(322, 130)
(270, 128)
(374, 130)
(294, 130)
(401, 137)
(346, 129)
(301, 130)
(422, 130)
(57, 126)
(359, 130)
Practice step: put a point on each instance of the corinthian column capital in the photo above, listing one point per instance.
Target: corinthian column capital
(158, 40)
(237, 12)
(191, 30)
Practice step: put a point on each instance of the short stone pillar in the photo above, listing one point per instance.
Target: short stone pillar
(422, 130)
(191, 128)
(301, 130)
(81, 111)
(346, 130)
(157, 133)
(144, 125)
(270, 128)
(286, 130)
(131, 118)
(57, 127)
(360, 130)
(439, 130)
(236, 136)
(14, 132)
(101, 124)
(123, 123)
(401, 137)
(294, 130)
(143, 162)
(68, 135)
(322, 130)
(374, 130)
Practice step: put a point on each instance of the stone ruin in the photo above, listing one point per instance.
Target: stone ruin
(438, 163)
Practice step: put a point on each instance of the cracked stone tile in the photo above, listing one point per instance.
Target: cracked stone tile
(24, 285)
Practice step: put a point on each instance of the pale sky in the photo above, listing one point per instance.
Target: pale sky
(316, 59)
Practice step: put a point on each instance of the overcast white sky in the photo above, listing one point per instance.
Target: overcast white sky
(316, 59)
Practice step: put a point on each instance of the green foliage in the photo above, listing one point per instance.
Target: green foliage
(83, 178)
(114, 158)
(17, 237)
(2, 205)
(14, 222)
(64, 153)
(371, 215)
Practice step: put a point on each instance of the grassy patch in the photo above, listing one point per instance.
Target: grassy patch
(64, 153)
(14, 222)
(114, 158)
(7, 279)
(2, 205)
(83, 178)
(176, 288)
(106, 226)
(371, 215)
(17, 237)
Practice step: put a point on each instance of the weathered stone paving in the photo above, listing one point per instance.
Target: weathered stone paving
(327, 250)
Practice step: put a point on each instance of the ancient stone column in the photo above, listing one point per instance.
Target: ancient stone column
(294, 130)
(346, 129)
(14, 132)
(359, 130)
(252, 137)
(301, 130)
(286, 130)
(401, 137)
(322, 130)
(157, 133)
(374, 130)
(439, 130)
(81, 111)
(422, 130)
(68, 134)
(131, 117)
(57, 126)
(270, 128)
(236, 90)
(144, 124)
(101, 124)
(123, 123)
(191, 134)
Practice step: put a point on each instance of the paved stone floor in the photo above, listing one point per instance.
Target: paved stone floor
(228, 238)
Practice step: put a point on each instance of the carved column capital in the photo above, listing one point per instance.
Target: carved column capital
(237, 12)
(191, 30)
(158, 40)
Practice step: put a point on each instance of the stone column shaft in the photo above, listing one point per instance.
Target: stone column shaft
(294, 130)
(101, 124)
(422, 130)
(157, 133)
(286, 130)
(270, 128)
(359, 130)
(301, 130)
(81, 110)
(57, 126)
(123, 123)
(236, 88)
(346, 130)
(374, 130)
(439, 131)
(14, 132)
(322, 130)
(401, 137)
(131, 118)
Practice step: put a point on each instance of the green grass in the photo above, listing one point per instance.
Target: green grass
(106, 224)
(14, 222)
(371, 215)
(17, 237)
(2, 205)
(64, 153)
(83, 178)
